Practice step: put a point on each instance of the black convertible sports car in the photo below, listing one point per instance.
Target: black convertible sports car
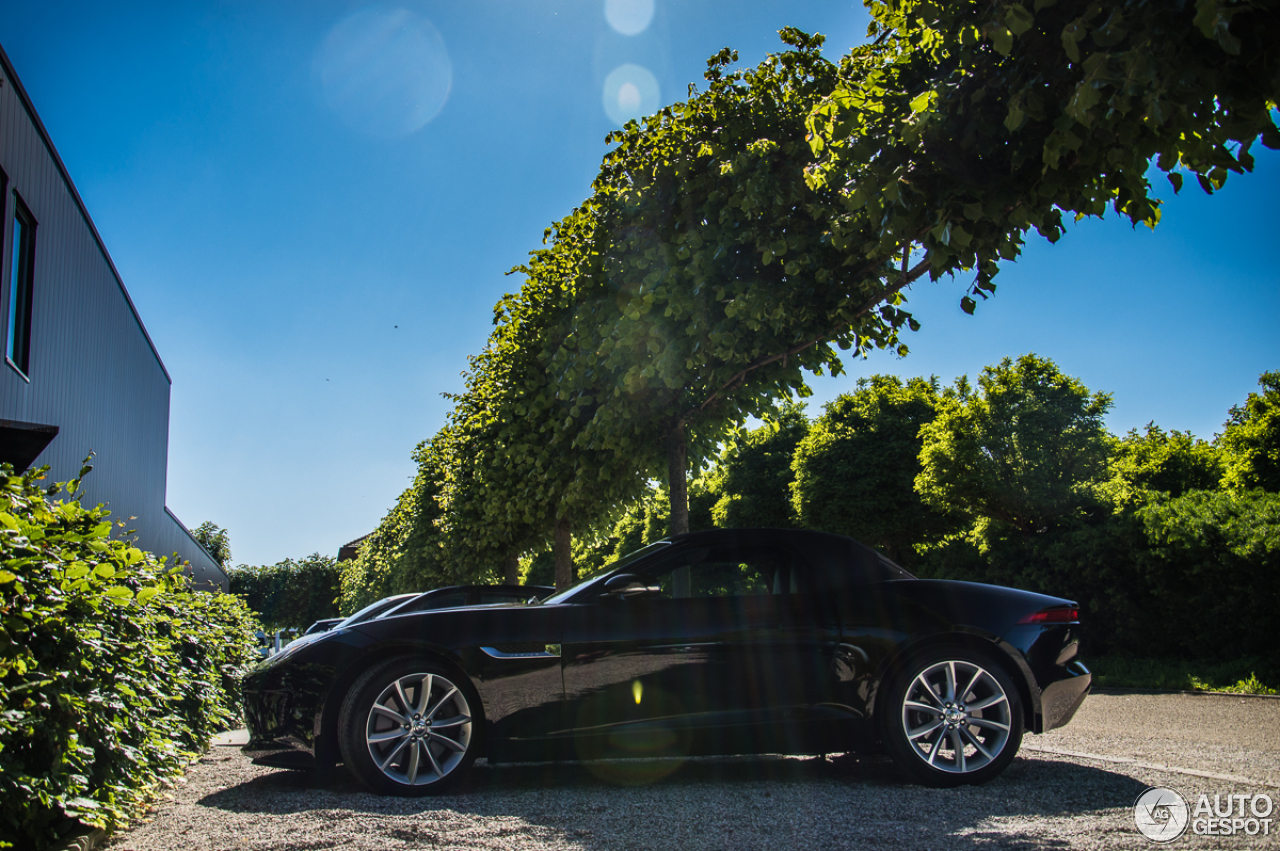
(722, 642)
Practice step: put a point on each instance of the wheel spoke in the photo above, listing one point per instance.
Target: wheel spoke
(988, 702)
(424, 694)
(456, 721)
(448, 742)
(977, 675)
(987, 722)
(958, 747)
(937, 745)
(390, 713)
(951, 681)
(435, 765)
(411, 772)
(443, 700)
(928, 689)
(388, 736)
(965, 731)
(924, 731)
(922, 707)
(404, 698)
(382, 766)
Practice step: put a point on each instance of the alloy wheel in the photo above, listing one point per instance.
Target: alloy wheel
(419, 729)
(956, 716)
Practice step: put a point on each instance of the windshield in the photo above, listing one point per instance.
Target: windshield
(373, 609)
(612, 568)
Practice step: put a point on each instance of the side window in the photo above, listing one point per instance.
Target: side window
(441, 601)
(726, 571)
(21, 282)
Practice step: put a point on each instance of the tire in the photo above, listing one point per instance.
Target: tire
(409, 728)
(952, 716)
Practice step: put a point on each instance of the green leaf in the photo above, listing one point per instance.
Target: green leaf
(1002, 40)
(967, 305)
(118, 592)
(1019, 19)
(1071, 35)
(7, 577)
(1176, 179)
(1271, 137)
(1014, 119)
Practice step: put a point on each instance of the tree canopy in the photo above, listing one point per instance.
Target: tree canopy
(855, 470)
(1027, 448)
(1251, 439)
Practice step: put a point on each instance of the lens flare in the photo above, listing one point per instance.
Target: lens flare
(630, 91)
(385, 72)
(629, 17)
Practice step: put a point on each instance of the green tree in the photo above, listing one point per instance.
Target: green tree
(705, 275)
(855, 471)
(1250, 441)
(1028, 449)
(753, 475)
(1157, 461)
(215, 540)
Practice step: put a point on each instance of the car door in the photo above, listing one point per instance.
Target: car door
(713, 660)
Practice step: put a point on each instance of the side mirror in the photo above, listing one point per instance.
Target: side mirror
(625, 585)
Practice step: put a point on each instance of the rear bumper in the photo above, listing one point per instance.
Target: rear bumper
(1058, 682)
(1060, 699)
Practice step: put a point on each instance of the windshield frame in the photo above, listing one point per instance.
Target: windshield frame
(628, 559)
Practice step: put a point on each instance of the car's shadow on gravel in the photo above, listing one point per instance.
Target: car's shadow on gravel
(736, 802)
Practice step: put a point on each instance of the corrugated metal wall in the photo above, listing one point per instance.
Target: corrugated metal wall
(94, 372)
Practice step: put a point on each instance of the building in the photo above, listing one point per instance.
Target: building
(80, 372)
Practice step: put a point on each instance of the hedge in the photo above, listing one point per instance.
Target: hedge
(290, 593)
(114, 673)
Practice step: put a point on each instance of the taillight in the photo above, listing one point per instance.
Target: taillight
(1068, 614)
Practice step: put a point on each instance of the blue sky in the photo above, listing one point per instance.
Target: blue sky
(313, 205)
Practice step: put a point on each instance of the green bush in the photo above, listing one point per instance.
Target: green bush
(290, 593)
(1212, 567)
(113, 672)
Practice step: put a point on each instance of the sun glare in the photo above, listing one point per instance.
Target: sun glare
(630, 91)
(385, 72)
(629, 17)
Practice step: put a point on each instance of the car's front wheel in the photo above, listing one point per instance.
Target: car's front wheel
(408, 728)
(952, 717)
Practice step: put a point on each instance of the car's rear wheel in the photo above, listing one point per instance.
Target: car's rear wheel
(952, 717)
(409, 728)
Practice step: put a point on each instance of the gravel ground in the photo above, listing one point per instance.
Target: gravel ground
(1072, 788)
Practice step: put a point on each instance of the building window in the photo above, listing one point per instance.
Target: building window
(21, 281)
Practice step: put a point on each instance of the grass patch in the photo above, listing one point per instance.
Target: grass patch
(1235, 677)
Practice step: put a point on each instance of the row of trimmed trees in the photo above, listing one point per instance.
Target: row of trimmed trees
(751, 233)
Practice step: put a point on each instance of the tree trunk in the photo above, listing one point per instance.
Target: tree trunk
(563, 548)
(511, 569)
(677, 479)
(678, 488)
